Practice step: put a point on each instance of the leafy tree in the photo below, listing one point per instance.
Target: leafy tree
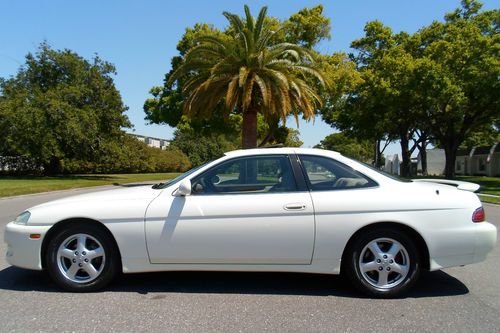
(60, 106)
(486, 136)
(201, 149)
(307, 27)
(292, 138)
(460, 79)
(360, 150)
(204, 148)
(440, 83)
(361, 106)
(351, 104)
(135, 156)
(131, 156)
(385, 103)
(167, 102)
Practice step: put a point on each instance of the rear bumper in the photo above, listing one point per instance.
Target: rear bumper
(22, 251)
(485, 237)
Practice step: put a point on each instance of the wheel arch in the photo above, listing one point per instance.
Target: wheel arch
(409, 231)
(63, 223)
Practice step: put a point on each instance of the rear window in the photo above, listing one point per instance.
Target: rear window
(325, 174)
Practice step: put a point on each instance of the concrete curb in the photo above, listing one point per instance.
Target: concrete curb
(489, 195)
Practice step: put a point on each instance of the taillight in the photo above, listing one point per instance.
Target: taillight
(478, 215)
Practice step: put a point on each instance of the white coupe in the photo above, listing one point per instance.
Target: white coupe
(279, 209)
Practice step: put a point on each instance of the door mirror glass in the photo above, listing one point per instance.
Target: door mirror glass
(184, 188)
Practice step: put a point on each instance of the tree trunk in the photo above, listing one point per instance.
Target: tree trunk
(376, 157)
(249, 128)
(450, 150)
(423, 158)
(406, 156)
(53, 167)
(422, 148)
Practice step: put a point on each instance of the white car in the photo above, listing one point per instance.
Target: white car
(279, 209)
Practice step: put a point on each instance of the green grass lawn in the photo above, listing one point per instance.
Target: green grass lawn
(10, 186)
(489, 199)
(489, 185)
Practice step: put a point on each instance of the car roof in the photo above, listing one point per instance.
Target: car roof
(283, 150)
(311, 151)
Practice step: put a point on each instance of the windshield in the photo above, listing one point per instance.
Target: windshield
(178, 178)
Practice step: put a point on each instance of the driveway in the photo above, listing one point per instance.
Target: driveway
(460, 299)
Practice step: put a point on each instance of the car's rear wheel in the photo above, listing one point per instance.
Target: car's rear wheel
(383, 263)
(82, 257)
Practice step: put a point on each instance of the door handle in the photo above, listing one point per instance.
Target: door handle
(295, 206)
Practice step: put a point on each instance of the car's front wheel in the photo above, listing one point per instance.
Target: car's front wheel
(82, 257)
(383, 263)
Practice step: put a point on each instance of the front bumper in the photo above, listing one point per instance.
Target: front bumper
(23, 251)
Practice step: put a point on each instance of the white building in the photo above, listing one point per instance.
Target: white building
(436, 162)
(392, 164)
(478, 161)
(484, 161)
(152, 142)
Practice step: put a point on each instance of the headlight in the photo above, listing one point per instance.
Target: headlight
(22, 218)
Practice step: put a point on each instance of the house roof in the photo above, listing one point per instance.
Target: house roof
(484, 150)
(463, 152)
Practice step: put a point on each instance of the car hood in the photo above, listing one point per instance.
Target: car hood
(127, 202)
(122, 193)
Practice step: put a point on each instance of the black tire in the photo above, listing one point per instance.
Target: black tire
(365, 282)
(108, 265)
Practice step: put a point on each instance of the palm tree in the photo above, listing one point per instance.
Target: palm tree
(248, 74)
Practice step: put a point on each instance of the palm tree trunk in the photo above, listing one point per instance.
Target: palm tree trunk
(249, 128)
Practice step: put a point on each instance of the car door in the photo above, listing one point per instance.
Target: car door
(343, 200)
(246, 210)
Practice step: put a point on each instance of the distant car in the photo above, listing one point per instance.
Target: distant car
(279, 209)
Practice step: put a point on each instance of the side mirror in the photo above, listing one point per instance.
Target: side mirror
(184, 188)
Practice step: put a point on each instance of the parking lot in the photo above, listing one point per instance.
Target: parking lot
(460, 299)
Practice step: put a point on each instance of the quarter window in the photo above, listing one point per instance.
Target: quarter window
(258, 174)
(325, 174)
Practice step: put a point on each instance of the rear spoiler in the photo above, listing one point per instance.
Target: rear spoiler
(466, 186)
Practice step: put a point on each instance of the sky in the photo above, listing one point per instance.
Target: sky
(140, 37)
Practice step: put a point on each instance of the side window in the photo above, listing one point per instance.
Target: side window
(325, 174)
(257, 174)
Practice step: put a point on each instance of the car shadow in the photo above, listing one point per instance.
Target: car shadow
(431, 284)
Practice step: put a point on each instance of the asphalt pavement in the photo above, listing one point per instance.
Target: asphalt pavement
(462, 299)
